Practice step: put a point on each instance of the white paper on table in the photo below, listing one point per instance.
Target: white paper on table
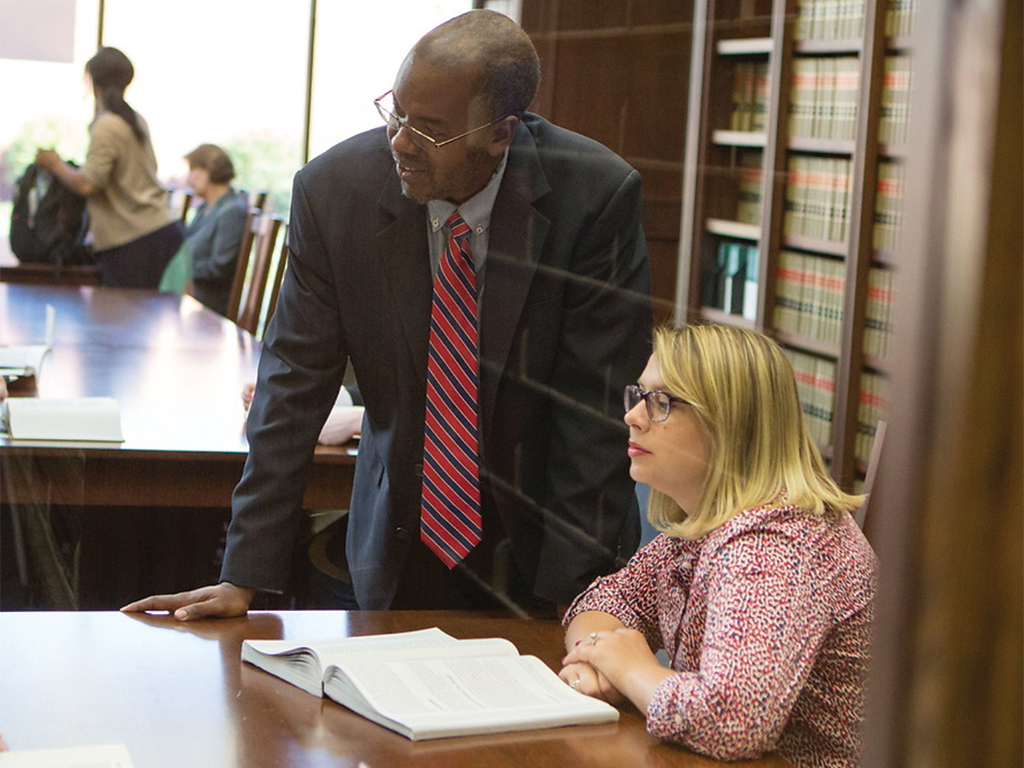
(79, 418)
(102, 756)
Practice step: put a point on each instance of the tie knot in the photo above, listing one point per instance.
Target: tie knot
(457, 225)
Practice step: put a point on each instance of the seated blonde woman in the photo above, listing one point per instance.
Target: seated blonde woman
(760, 587)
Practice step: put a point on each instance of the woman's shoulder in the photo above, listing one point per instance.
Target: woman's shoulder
(779, 516)
(232, 203)
(780, 520)
(109, 122)
(831, 535)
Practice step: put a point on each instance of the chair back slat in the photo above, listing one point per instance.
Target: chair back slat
(869, 478)
(276, 278)
(252, 224)
(180, 200)
(251, 301)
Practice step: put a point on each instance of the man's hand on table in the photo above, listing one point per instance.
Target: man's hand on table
(221, 601)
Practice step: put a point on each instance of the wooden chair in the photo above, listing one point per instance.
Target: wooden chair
(254, 284)
(869, 478)
(276, 278)
(252, 225)
(256, 198)
(181, 203)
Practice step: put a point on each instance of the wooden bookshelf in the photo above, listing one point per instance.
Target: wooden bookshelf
(831, 84)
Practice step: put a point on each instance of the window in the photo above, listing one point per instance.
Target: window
(231, 72)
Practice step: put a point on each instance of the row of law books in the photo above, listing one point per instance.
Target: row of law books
(829, 19)
(873, 406)
(895, 106)
(809, 296)
(731, 286)
(899, 18)
(816, 386)
(749, 96)
(878, 328)
(748, 206)
(823, 97)
(888, 206)
(817, 197)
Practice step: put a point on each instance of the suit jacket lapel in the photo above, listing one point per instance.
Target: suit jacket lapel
(516, 242)
(404, 253)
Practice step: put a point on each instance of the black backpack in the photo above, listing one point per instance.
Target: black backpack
(49, 221)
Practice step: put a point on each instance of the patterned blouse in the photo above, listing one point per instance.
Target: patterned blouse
(767, 621)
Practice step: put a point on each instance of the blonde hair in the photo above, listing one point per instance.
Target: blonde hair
(741, 386)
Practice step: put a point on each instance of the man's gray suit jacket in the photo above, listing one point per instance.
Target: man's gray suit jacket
(565, 324)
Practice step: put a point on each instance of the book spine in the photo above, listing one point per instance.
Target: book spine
(748, 208)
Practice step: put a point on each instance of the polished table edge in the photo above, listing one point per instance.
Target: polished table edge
(542, 638)
(324, 454)
(155, 478)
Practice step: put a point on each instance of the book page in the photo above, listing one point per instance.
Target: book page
(302, 664)
(103, 756)
(434, 698)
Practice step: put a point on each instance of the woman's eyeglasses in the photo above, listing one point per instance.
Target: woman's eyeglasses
(659, 404)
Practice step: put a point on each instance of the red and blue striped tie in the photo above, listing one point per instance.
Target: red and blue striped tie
(450, 523)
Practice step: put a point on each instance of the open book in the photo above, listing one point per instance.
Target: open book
(76, 418)
(428, 684)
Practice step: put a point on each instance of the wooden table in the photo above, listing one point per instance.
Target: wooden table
(177, 370)
(178, 695)
(49, 274)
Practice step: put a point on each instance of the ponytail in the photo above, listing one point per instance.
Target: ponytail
(111, 72)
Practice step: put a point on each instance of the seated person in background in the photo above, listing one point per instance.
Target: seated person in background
(343, 422)
(760, 587)
(210, 251)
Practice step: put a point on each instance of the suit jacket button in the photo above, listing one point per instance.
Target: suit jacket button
(402, 533)
(418, 469)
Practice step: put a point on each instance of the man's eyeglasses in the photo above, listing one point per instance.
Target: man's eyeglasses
(385, 106)
(659, 404)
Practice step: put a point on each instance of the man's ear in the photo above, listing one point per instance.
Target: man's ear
(502, 134)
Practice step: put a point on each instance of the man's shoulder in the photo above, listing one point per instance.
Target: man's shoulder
(555, 143)
(350, 159)
(547, 158)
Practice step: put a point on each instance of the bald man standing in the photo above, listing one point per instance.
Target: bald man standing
(486, 274)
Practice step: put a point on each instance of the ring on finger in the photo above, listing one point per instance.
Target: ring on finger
(593, 638)
(575, 684)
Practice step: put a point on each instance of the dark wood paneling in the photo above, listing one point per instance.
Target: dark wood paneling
(618, 72)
